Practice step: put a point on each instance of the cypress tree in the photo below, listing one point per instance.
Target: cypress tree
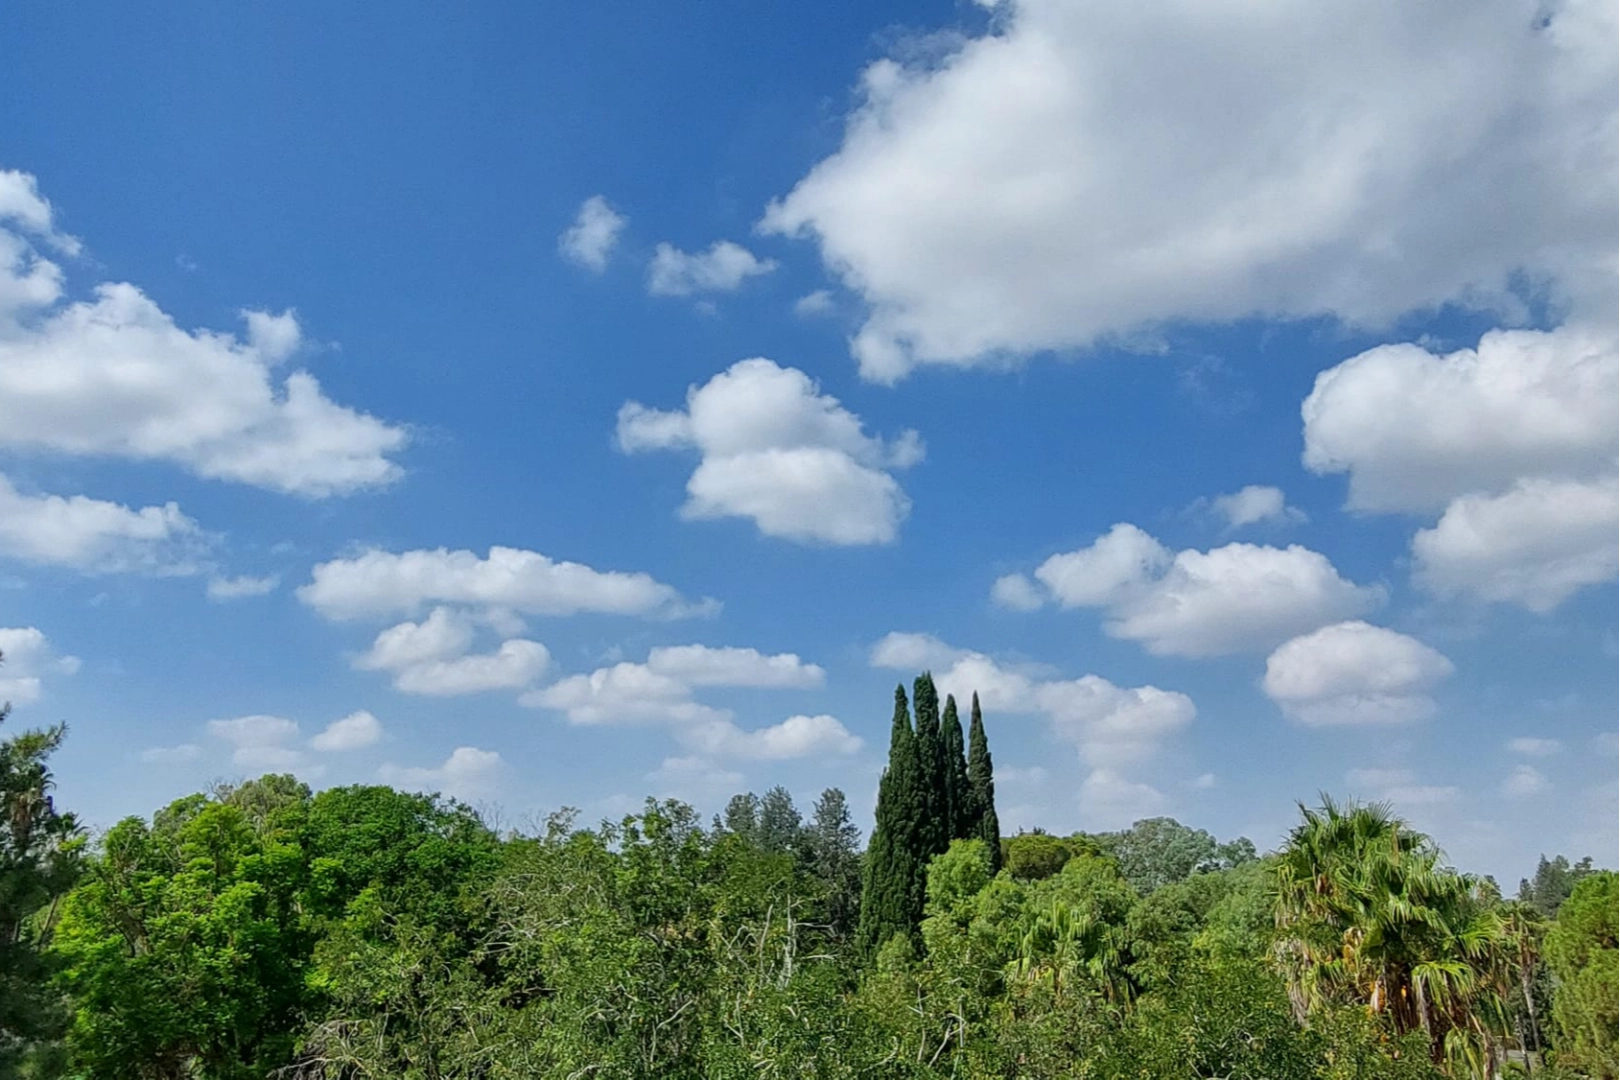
(935, 831)
(982, 787)
(889, 903)
(958, 796)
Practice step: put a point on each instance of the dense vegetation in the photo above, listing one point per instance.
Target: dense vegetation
(263, 930)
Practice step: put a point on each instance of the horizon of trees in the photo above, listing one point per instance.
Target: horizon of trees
(264, 930)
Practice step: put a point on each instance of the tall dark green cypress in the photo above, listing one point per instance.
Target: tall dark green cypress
(982, 787)
(936, 831)
(958, 796)
(888, 889)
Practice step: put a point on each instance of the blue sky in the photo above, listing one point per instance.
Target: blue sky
(555, 406)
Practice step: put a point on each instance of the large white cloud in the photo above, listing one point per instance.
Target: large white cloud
(795, 737)
(114, 376)
(703, 665)
(1194, 603)
(1535, 545)
(1076, 172)
(356, 731)
(25, 657)
(1415, 430)
(94, 536)
(381, 583)
(259, 741)
(1109, 725)
(776, 450)
(1513, 443)
(1354, 673)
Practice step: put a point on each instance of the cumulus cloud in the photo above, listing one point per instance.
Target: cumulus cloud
(115, 376)
(1015, 592)
(1399, 787)
(625, 693)
(1194, 603)
(776, 450)
(382, 583)
(1353, 673)
(221, 589)
(702, 665)
(1072, 175)
(434, 658)
(1513, 443)
(93, 536)
(795, 737)
(1535, 545)
(1255, 504)
(356, 731)
(723, 268)
(22, 206)
(259, 741)
(468, 773)
(1109, 726)
(26, 656)
(594, 234)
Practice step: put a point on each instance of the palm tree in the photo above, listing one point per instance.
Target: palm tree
(1368, 915)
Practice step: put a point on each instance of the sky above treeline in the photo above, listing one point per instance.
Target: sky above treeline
(561, 404)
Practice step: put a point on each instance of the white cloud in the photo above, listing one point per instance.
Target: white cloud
(433, 658)
(1203, 782)
(1533, 747)
(1109, 800)
(1254, 505)
(1415, 430)
(171, 755)
(468, 773)
(1353, 673)
(814, 304)
(1076, 174)
(26, 657)
(1400, 787)
(779, 452)
(1196, 603)
(97, 537)
(356, 731)
(1535, 545)
(594, 234)
(221, 589)
(1015, 592)
(381, 583)
(259, 742)
(795, 737)
(723, 268)
(701, 665)
(1109, 725)
(625, 693)
(1523, 781)
(114, 376)
(22, 205)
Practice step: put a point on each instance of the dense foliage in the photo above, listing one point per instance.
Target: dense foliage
(262, 930)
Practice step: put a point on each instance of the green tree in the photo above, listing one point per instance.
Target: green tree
(984, 824)
(779, 822)
(832, 855)
(958, 796)
(1583, 954)
(39, 860)
(1157, 851)
(934, 832)
(891, 901)
(1552, 883)
(1033, 856)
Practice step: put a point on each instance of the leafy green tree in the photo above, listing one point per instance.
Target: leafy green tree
(934, 832)
(1552, 883)
(39, 860)
(1157, 851)
(891, 900)
(779, 822)
(1583, 954)
(1032, 856)
(742, 814)
(832, 854)
(983, 823)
